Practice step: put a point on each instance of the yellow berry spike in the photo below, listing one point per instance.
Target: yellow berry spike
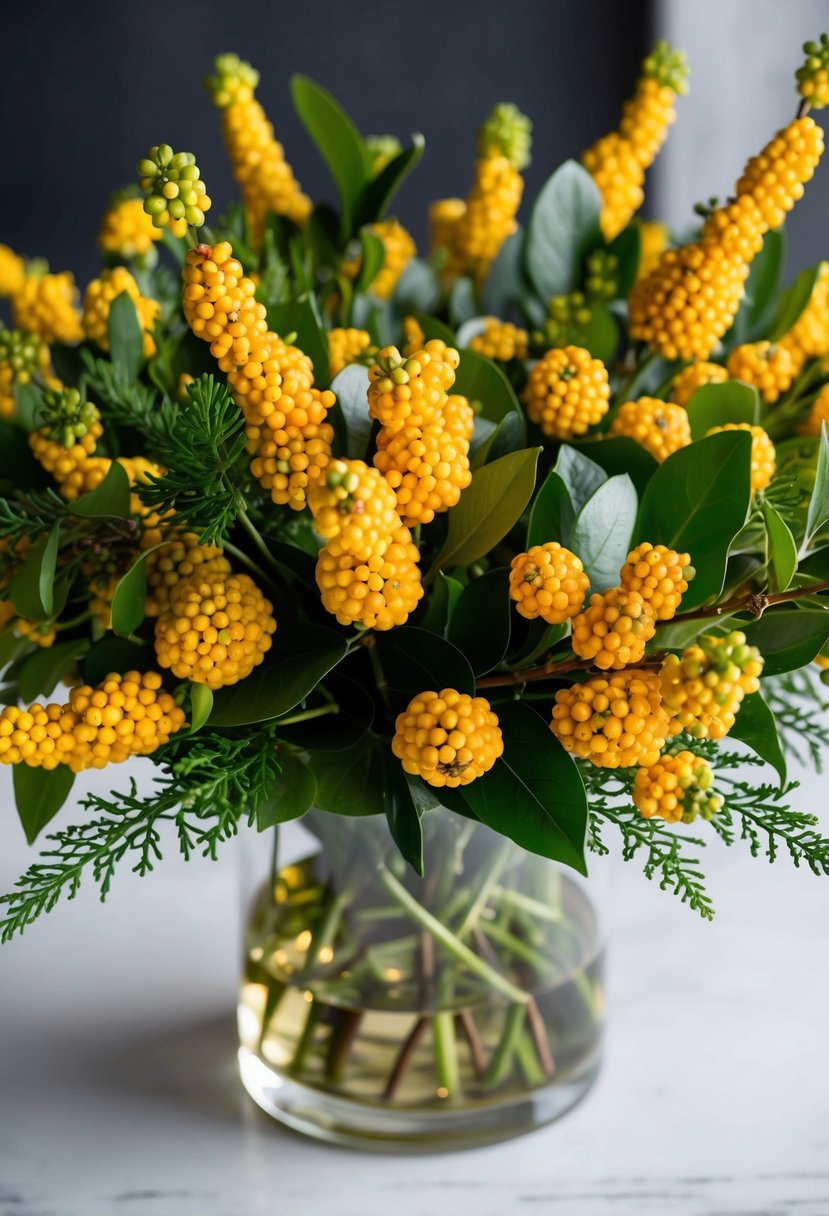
(234, 80)
(813, 75)
(507, 132)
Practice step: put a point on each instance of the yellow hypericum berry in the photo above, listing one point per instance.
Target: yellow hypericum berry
(355, 505)
(458, 417)
(775, 177)
(567, 392)
(660, 575)
(686, 304)
(414, 338)
(12, 272)
(270, 383)
(809, 336)
(489, 217)
(653, 241)
(445, 215)
(46, 305)
(813, 77)
(258, 158)
(702, 690)
(64, 443)
(614, 721)
(127, 231)
(548, 582)
(220, 306)
(347, 346)
(173, 189)
(42, 633)
(769, 366)
(661, 427)
(379, 593)
(411, 391)
(292, 458)
(613, 165)
(181, 558)
(427, 468)
(614, 629)
(98, 299)
(398, 248)
(818, 414)
(216, 629)
(737, 226)
(678, 787)
(694, 376)
(500, 340)
(763, 455)
(448, 738)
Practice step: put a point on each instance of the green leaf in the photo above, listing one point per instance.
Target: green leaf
(581, 475)
(601, 334)
(603, 529)
(293, 793)
(201, 704)
(115, 654)
(463, 303)
(111, 497)
(696, 502)
(755, 726)
(380, 192)
(534, 793)
(676, 635)
(404, 817)
(418, 290)
(563, 228)
(373, 257)
(552, 515)
(717, 404)
(491, 506)
(351, 782)
(762, 290)
(126, 339)
(789, 638)
(505, 283)
(621, 454)
(28, 405)
(32, 590)
(627, 249)
(818, 513)
(414, 661)
(41, 672)
(338, 141)
(130, 596)
(17, 464)
(480, 623)
(780, 548)
(351, 387)
(509, 435)
(300, 657)
(793, 300)
(302, 318)
(481, 380)
(333, 732)
(39, 794)
(440, 604)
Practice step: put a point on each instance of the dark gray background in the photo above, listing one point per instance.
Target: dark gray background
(85, 88)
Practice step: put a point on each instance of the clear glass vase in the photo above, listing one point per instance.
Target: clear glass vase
(382, 1010)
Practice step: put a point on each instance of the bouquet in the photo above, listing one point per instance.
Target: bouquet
(526, 531)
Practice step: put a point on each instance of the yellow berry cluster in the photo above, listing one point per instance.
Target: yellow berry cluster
(98, 299)
(614, 721)
(398, 250)
(220, 306)
(411, 391)
(258, 159)
(808, 338)
(500, 340)
(347, 346)
(661, 427)
(763, 455)
(125, 715)
(355, 507)
(448, 738)
(694, 376)
(215, 629)
(378, 593)
(614, 629)
(548, 582)
(181, 557)
(678, 787)
(12, 272)
(769, 366)
(702, 689)
(68, 437)
(660, 575)
(46, 305)
(127, 231)
(567, 392)
(818, 415)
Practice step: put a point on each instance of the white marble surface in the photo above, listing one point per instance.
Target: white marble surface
(118, 1091)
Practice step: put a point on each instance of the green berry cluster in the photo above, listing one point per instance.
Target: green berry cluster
(173, 188)
(66, 417)
(668, 67)
(21, 352)
(507, 132)
(601, 280)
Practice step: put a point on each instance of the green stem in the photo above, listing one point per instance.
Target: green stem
(242, 557)
(625, 387)
(533, 958)
(256, 537)
(327, 930)
(506, 851)
(525, 1053)
(501, 1062)
(448, 940)
(446, 1053)
(525, 903)
(307, 714)
(307, 1036)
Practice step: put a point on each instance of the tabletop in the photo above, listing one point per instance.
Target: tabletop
(119, 1093)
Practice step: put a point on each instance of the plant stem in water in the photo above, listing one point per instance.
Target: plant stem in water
(446, 1055)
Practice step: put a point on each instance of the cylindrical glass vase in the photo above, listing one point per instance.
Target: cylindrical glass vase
(382, 1010)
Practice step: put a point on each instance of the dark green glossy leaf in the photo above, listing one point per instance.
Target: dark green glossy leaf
(373, 257)
(603, 529)
(793, 300)
(125, 336)
(480, 624)
(534, 793)
(762, 291)
(351, 388)
(379, 193)
(818, 513)
(627, 249)
(696, 502)
(621, 454)
(352, 782)
(601, 334)
(338, 141)
(402, 813)
(755, 726)
(28, 405)
(111, 497)
(563, 227)
(129, 599)
(781, 549)
(789, 638)
(509, 435)
(505, 284)
(414, 661)
(201, 704)
(581, 475)
(294, 791)
(300, 657)
(39, 793)
(41, 672)
(115, 654)
(441, 602)
(552, 515)
(32, 589)
(333, 732)
(718, 404)
(302, 318)
(491, 506)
